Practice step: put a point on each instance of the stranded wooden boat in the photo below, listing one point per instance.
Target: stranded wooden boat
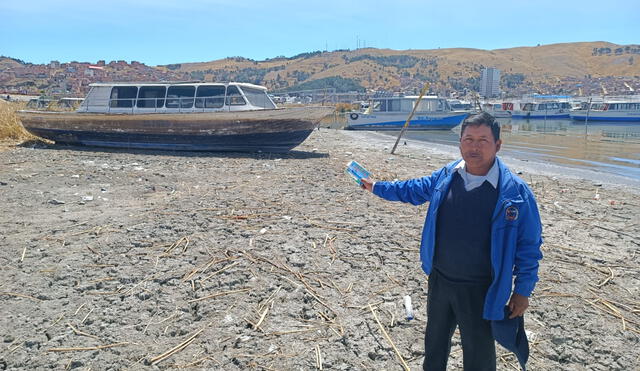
(178, 116)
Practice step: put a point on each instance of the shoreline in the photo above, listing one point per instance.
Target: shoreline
(533, 166)
(157, 260)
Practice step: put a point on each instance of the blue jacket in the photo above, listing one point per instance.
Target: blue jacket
(516, 232)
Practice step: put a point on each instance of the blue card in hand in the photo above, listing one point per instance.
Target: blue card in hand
(357, 172)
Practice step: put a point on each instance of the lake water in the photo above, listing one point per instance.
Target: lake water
(605, 147)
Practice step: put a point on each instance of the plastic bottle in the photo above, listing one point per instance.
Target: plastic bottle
(408, 309)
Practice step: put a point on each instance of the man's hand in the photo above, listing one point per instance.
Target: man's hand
(518, 304)
(367, 183)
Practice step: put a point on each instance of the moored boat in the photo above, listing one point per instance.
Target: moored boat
(499, 110)
(609, 110)
(178, 116)
(390, 113)
(542, 110)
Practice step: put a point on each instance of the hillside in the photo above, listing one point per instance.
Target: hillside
(547, 68)
(570, 68)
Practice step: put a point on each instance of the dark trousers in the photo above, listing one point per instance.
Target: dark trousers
(450, 304)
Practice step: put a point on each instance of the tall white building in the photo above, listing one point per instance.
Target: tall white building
(490, 84)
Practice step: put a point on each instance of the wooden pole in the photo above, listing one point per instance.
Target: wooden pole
(406, 124)
(586, 119)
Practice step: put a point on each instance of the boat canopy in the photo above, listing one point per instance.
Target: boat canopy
(175, 97)
(405, 104)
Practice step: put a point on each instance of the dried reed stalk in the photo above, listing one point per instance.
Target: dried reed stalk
(278, 333)
(184, 239)
(609, 278)
(318, 358)
(262, 317)
(204, 267)
(10, 127)
(220, 271)
(80, 349)
(404, 364)
(19, 295)
(177, 348)
(78, 332)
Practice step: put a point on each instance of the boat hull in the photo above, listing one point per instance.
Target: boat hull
(596, 116)
(540, 115)
(277, 130)
(444, 121)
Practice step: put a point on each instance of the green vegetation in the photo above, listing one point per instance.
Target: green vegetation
(400, 61)
(341, 85)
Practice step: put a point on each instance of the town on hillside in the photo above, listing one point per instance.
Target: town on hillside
(612, 71)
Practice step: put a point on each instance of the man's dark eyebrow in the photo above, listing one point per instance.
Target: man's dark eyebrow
(481, 136)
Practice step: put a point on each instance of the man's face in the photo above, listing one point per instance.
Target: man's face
(478, 148)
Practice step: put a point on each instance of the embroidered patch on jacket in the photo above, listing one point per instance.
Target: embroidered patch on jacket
(511, 213)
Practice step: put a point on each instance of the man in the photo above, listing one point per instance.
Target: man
(482, 229)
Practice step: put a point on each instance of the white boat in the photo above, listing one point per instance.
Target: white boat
(500, 110)
(609, 110)
(178, 116)
(462, 105)
(390, 113)
(542, 110)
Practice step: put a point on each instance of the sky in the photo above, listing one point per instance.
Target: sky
(157, 32)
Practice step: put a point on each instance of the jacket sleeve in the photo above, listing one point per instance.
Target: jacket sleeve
(414, 191)
(528, 251)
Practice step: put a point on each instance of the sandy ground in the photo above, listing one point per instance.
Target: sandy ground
(146, 260)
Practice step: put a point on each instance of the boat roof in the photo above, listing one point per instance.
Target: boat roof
(168, 83)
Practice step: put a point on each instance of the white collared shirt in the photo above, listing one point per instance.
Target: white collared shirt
(474, 181)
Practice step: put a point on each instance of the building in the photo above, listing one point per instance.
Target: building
(490, 84)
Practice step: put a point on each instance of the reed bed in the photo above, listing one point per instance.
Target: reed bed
(10, 127)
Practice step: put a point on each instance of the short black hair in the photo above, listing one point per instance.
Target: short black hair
(482, 118)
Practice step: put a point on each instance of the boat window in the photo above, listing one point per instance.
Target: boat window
(406, 105)
(180, 96)
(258, 97)
(151, 96)
(380, 106)
(431, 105)
(528, 107)
(393, 105)
(425, 106)
(123, 96)
(210, 96)
(234, 98)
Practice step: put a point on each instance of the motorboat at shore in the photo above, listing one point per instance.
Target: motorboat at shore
(191, 116)
(499, 110)
(613, 110)
(391, 113)
(542, 110)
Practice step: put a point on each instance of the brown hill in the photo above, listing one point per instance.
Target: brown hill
(545, 68)
(569, 68)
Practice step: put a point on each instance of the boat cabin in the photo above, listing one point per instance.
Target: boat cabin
(182, 97)
(405, 104)
(547, 106)
(615, 106)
